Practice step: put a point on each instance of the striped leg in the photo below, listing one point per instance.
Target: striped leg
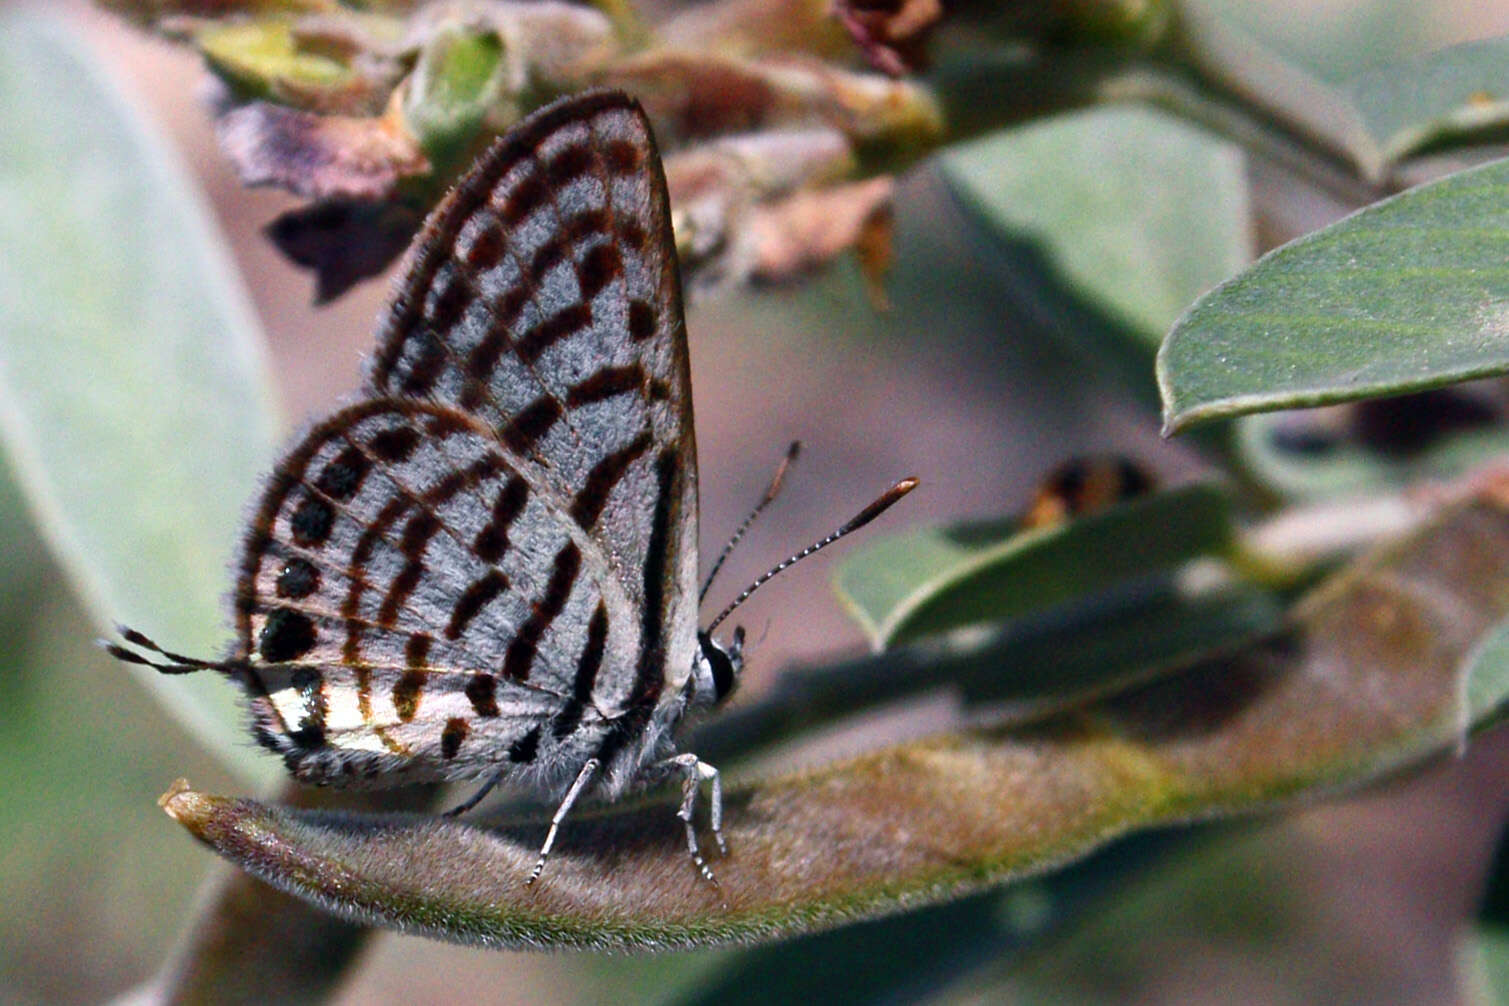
(695, 771)
(582, 779)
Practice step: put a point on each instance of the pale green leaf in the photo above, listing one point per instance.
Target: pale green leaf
(1120, 216)
(134, 399)
(1456, 93)
(1407, 294)
(935, 579)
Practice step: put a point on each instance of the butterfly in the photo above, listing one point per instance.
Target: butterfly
(486, 566)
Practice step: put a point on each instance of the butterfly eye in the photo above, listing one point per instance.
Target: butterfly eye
(721, 667)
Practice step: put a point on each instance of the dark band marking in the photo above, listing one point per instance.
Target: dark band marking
(507, 309)
(605, 384)
(482, 690)
(428, 360)
(523, 750)
(484, 589)
(451, 737)
(569, 164)
(492, 540)
(486, 248)
(416, 652)
(311, 523)
(632, 236)
(416, 536)
(526, 196)
(455, 482)
(588, 504)
(286, 635)
(483, 358)
(547, 256)
(396, 444)
(531, 423)
(306, 737)
(565, 322)
(622, 158)
(521, 652)
(350, 608)
(447, 424)
(298, 579)
(587, 667)
(586, 224)
(599, 267)
(641, 320)
(342, 477)
(449, 298)
(649, 672)
(361, 554)
(406, 694)
(310, 733)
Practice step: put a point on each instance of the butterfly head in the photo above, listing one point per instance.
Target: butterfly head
(715, 669)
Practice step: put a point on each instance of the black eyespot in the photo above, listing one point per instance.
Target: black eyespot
(724, 675)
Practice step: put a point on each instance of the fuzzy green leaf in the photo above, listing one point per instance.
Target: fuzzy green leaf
(1366, 677)
(936, 579)
(1408, 294)
(134, 399)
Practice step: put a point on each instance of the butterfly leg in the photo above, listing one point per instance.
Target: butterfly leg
(695, 771)
(582, 779)
(476, 797)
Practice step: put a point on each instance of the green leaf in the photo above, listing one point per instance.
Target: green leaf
(908, 958)
(1299, 456)
(134, 399)
(1454, 94)
(1408, 294)
(1487, 964)
(1122, 214)
(455, 85)
(262, 59)
(1365, 679)
(936, 579)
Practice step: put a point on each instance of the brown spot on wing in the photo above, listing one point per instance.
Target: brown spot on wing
(482, 691)
(641, 320)
(456, 730)
(407, 693)
(286, 635)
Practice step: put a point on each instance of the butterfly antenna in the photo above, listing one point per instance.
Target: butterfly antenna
(869, 513)
(180, 664)
(765, 501)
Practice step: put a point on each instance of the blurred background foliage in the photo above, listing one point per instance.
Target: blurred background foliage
(969, 379)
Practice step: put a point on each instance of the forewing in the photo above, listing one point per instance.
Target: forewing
(543, 298)
(408, 605)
